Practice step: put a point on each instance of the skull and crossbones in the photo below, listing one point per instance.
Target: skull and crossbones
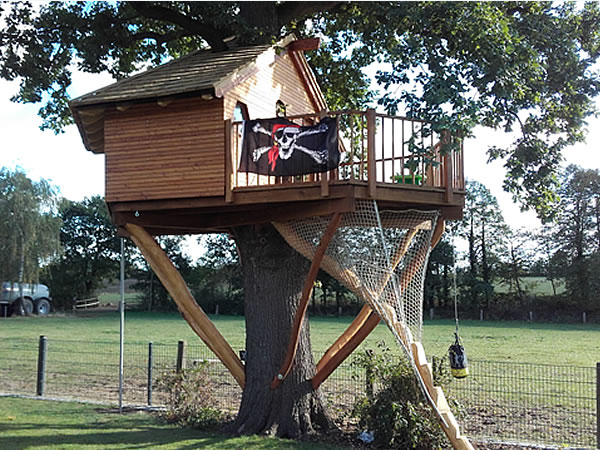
(285, 143)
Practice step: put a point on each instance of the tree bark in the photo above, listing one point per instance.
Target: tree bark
(273, 276)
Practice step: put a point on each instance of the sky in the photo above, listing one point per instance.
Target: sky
(78, 173)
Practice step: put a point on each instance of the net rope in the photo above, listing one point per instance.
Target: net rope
(380, 256)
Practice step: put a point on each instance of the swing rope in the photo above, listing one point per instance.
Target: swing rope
(456, 352)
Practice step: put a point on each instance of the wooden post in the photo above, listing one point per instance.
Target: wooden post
(448, 169)
(192, 313)
(150, 366)
(41, 368)
(371, 164)
(325, 184)
(228, 162)
(180, 357)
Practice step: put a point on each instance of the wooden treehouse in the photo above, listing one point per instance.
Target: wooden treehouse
(172, 140)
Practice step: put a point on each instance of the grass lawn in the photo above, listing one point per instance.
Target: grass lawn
(47, 424)
(572, 344)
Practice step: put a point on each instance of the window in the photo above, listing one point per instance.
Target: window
(240, 112)
(280, 108)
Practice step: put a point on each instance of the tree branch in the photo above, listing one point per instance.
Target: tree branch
(192, 26)
(158, 37)
(288, 11)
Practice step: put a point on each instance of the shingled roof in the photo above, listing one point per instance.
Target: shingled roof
(201, 73)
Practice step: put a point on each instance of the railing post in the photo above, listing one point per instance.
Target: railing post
(180, 356)
(41, 368)
(371, 172)
(448, 168)
(150, 364)
(228, 162)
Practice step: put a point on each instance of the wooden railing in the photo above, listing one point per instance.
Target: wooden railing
(375, 149)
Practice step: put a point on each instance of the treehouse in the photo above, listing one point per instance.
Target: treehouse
(217, 140)
(172, 140)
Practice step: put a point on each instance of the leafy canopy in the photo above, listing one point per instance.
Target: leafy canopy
(527, 67)
(29, 228)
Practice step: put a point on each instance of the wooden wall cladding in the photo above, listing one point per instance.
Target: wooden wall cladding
(176, 151)
(260, 92)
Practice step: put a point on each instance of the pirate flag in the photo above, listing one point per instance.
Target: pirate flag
(282, 148)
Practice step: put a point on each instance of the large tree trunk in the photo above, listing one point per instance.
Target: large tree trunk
(273, 275)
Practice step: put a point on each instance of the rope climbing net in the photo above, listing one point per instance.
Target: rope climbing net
(378, 255)
(381, 257)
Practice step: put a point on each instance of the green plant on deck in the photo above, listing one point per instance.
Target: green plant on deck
(189, 398)
(394, 408)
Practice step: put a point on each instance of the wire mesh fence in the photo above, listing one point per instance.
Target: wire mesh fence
(500, 401)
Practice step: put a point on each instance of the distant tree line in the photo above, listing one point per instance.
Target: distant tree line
(73, 247)
(497, 268)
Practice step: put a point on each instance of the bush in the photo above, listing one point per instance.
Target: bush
(189, 398)
(394, 408)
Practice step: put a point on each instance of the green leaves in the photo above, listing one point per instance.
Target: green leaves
(524, 67)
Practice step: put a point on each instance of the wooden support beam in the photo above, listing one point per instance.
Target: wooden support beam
(303, 305)
(193, 314)
(366, 320)
(363, 324)
(356, 333)
(304, 44)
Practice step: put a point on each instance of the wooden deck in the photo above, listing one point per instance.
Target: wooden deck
(402, 163)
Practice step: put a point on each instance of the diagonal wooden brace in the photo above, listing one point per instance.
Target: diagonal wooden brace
(192, 313)
(303, 305)
(366, 321)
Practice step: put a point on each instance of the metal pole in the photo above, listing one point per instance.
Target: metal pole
(598, 405)
(121, 325)
(150, 364)
(41, 372)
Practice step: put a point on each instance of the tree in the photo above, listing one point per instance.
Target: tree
(576, 234)
(29, 227)
(527, 67)
(483, 228)
(438, 275)
(504, 65)
(220, 283)
(154, 295)
(516, 261)
(90, 251)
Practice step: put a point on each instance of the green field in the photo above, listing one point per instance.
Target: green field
(534, 286)
(572, 344)
(56, 425)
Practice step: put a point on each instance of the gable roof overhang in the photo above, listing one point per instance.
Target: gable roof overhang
(202, 73)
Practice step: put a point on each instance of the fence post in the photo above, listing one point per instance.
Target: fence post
(180, 356)
(598, 405)
(150, 364)
(369, 375)
(41, 368)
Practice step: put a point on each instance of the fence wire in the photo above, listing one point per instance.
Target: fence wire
(503, 401)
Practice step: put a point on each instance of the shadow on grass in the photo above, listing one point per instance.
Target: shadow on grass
(28, 423)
